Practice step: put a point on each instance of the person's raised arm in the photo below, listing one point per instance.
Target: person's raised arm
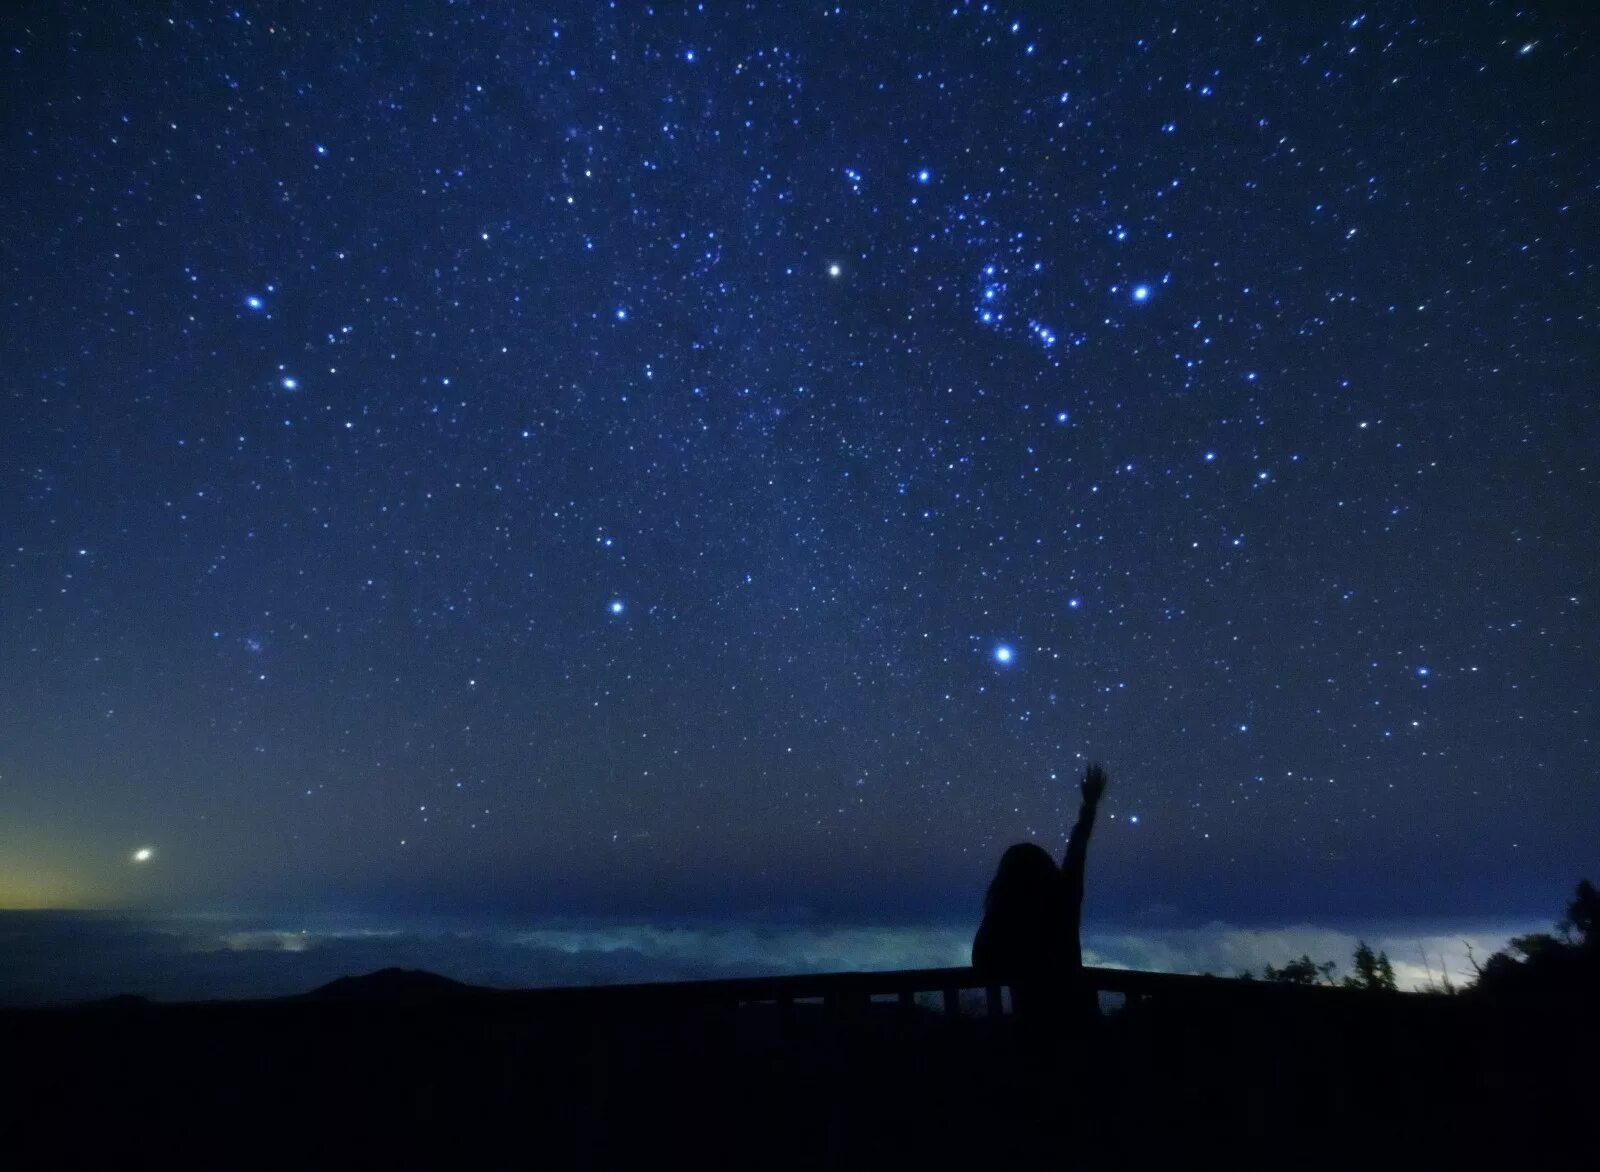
(1094, 785)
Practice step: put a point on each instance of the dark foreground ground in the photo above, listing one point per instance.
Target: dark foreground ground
(398, 1075)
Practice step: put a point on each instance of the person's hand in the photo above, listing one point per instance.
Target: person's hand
(1094, 783)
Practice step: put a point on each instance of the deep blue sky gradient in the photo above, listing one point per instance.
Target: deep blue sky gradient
(584, 459)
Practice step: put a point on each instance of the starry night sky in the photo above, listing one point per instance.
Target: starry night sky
(701, 459)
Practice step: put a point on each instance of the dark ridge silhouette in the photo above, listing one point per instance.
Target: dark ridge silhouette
(395, 986)
(120, 1001)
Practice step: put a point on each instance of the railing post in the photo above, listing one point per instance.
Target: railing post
(594, 1142)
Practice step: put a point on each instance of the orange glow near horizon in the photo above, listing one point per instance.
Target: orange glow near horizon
(41, 874)
(42, 891)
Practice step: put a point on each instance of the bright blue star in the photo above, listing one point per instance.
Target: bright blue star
(622, 313)
(1211, 457)
(1004, 654)
(1422, 671)
(290, 383)
(1074, 603)
(616, 606)
(255, 302)
(1062, 417)
(924, 176)
(1141, 292)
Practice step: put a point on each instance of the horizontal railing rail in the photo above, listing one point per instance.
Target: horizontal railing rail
(945, 985)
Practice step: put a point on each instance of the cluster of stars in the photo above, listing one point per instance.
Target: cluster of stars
(621, 445)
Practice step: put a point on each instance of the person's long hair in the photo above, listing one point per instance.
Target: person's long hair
(1024, 915)
(1026, 885)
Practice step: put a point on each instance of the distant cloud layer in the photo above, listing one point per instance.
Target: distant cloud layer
(63, 957)
(1419, 953)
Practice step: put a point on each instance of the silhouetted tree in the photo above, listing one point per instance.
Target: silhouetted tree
(1582, 914)
(1541, 963)
(1373, 971)
(1303, 971)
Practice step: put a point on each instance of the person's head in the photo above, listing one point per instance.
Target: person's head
(1025, 882)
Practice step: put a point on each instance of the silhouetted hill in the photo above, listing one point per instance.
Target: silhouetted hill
(393, 986)
(120, 1001)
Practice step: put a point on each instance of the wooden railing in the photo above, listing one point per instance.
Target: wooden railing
(905, 986)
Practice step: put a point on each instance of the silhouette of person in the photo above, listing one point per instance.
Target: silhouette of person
(1028, 938)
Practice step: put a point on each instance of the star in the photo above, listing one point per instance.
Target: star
(429, 464)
